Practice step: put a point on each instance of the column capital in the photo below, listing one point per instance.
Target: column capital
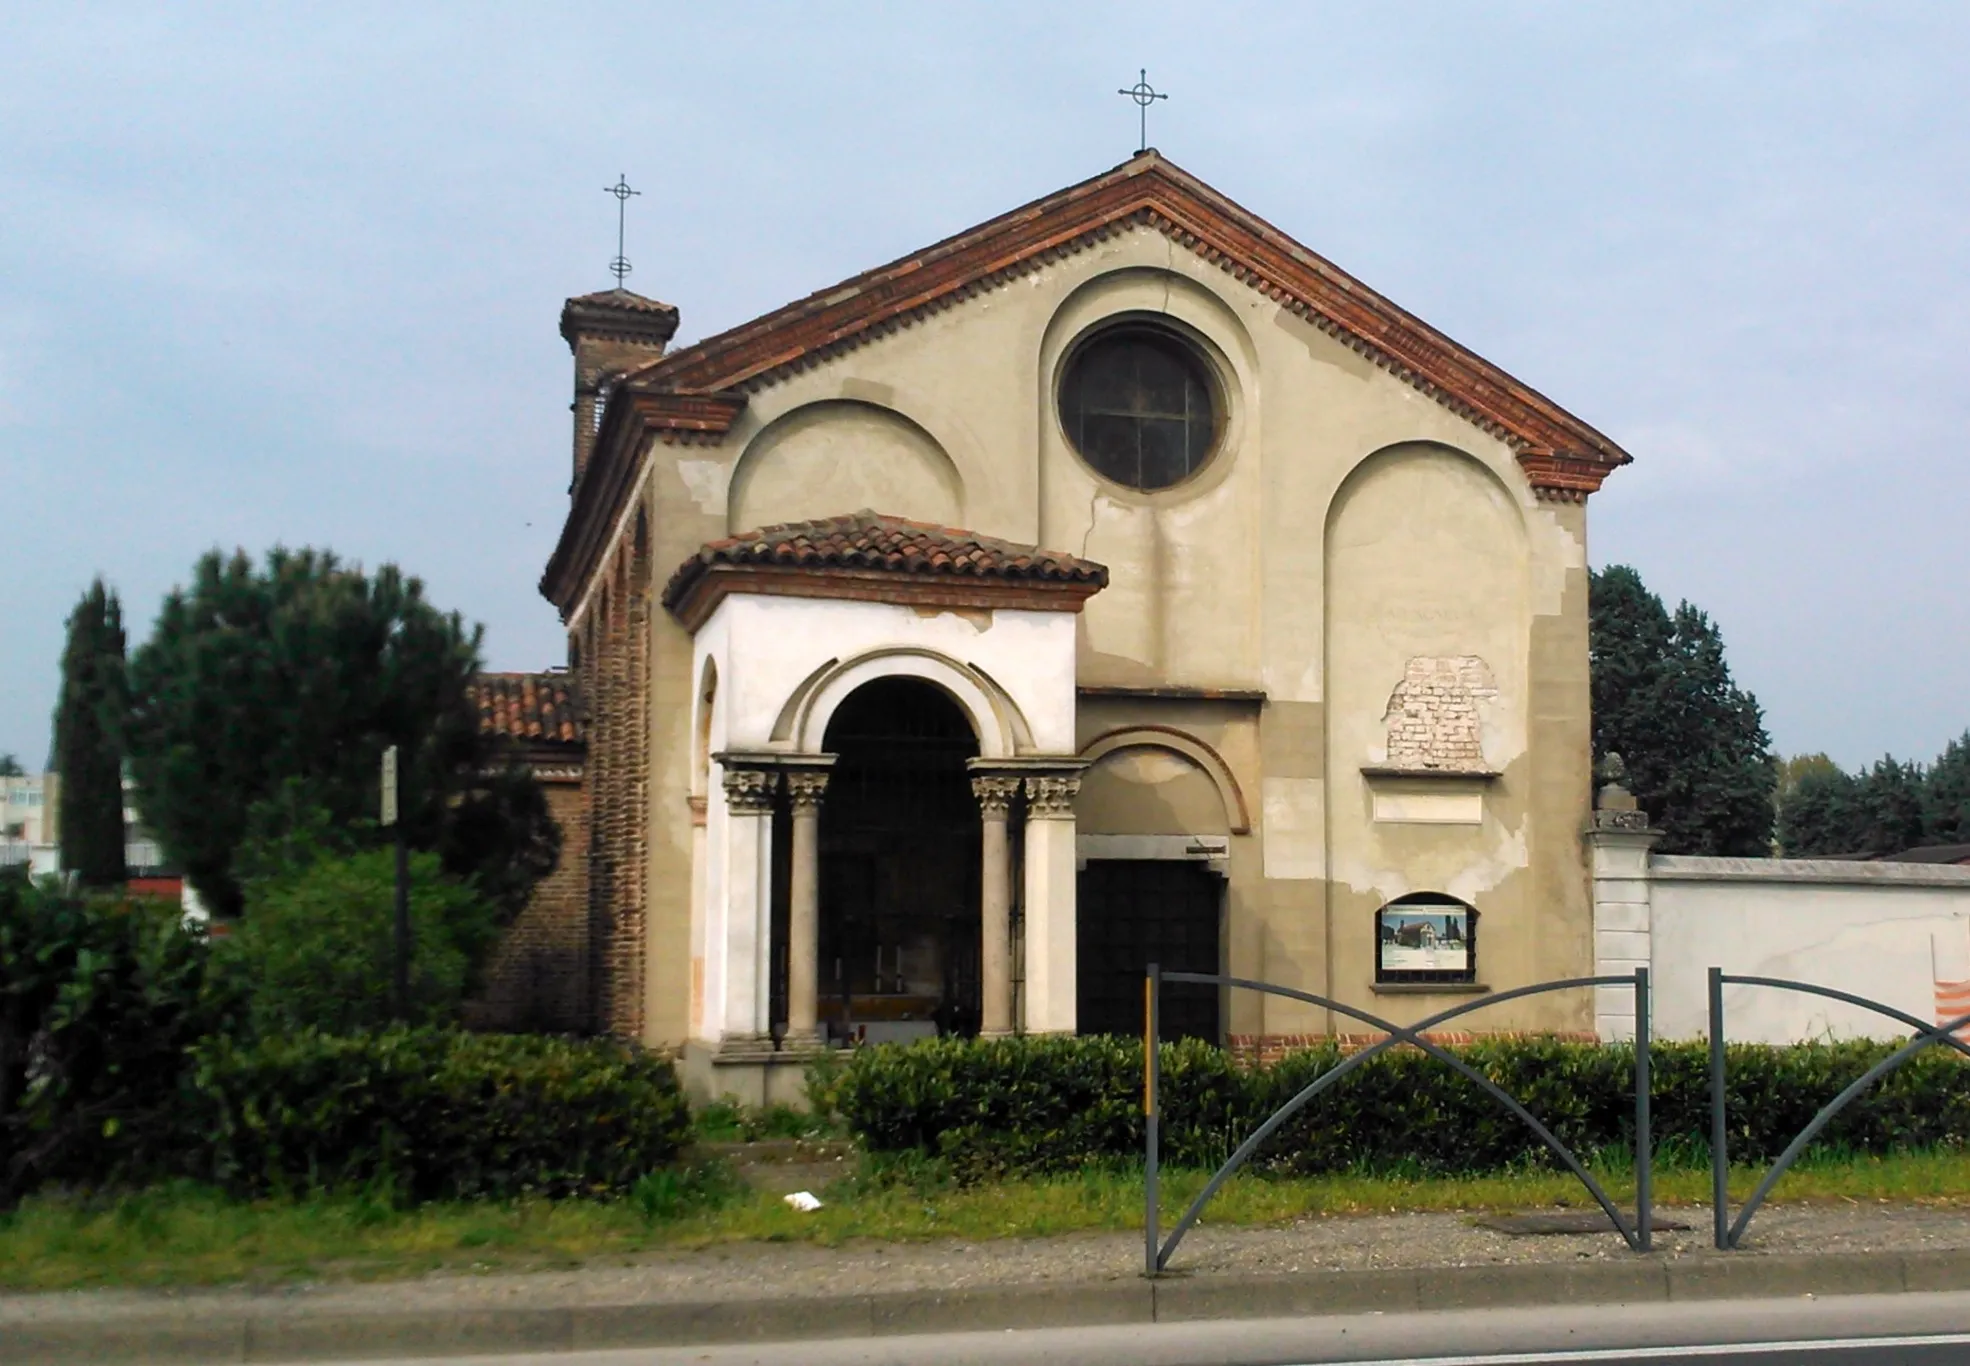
(749, 791)
(805, 787)
(995, 793)
(1050, 796)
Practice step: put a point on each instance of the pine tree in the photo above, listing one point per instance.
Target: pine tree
(1694, 743)
(1892, 799)
(276, 689)
(89, 737)
(1947, 817)
(1822, 814)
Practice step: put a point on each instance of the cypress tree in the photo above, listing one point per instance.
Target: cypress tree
(1694, 743)
(89, 734)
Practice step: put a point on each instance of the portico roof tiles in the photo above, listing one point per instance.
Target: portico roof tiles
(872, 541)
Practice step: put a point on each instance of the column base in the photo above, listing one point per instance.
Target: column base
(749, 1070)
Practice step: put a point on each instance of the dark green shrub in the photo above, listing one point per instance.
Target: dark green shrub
(316, 949)
(1049, 1103)
(100, 996)
(438, 1114)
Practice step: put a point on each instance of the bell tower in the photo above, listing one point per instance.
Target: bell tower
(611, 333)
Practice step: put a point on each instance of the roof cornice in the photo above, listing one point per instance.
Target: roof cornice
(630, 423)
(1562, 456)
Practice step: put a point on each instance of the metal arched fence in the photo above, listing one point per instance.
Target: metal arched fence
(1728, 1234)
(1156, 1257)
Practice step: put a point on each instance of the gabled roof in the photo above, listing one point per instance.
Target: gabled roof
(869, 555)
(533, 709)
(694, 394)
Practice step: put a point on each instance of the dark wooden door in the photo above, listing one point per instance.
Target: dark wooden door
(1133, 912)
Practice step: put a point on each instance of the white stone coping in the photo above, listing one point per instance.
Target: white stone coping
(1826, 872)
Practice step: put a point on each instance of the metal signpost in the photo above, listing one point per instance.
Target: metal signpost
(400, 975)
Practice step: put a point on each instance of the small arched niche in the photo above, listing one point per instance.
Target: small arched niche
(828, 458)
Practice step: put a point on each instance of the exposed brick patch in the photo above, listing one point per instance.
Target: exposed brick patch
(1432, 715)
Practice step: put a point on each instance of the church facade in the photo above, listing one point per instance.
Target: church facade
(1118, 581)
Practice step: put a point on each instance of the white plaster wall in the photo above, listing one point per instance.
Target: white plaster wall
(769, 647)
(771, 651)
(1870, 929)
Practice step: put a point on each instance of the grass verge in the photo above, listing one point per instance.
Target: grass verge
(191, 1236)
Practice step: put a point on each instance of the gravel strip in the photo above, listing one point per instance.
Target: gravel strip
(750, 1271)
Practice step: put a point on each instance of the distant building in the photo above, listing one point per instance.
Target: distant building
(28, 819)
(30, 834)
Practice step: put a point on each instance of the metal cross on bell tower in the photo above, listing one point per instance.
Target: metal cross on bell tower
(1144, 94)
(620, 267)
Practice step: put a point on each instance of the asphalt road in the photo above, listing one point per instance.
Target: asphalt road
(1852, 1330)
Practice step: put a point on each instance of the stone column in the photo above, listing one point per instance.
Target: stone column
(995, 794)
(1051, 970)
(805, 787)
(748, 901)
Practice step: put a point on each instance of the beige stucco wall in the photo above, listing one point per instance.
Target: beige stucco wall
(1231, 581)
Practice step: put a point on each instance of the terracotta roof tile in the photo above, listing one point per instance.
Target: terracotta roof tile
(532, 708)
(624, 298)
(872, 541)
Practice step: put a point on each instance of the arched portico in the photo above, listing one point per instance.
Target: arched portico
(889, 821)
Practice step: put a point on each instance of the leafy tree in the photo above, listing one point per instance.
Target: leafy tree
(10, 767)
(284, 684)
(90, 722)
(1884, 809)
(1694, 743)
(1821, 814)
(1800, 766)
(315, 950)
(100, 998)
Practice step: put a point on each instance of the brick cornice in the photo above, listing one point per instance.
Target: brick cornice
(873, 585)
(633, 420)
(1562, 455)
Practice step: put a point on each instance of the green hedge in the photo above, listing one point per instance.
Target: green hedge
(1042, 1104)
(436, 1114)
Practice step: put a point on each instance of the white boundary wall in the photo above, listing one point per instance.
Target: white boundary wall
(1889, 931)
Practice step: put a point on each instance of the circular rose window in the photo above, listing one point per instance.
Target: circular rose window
(1138, 404)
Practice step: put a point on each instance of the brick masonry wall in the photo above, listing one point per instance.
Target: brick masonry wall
(614, 678)
(538, 979)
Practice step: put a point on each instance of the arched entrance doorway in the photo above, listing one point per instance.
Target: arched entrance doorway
(899, 855)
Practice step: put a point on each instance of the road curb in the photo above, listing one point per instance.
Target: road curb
(186, 1334)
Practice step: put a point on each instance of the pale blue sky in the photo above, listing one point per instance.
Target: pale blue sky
(292, 273)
